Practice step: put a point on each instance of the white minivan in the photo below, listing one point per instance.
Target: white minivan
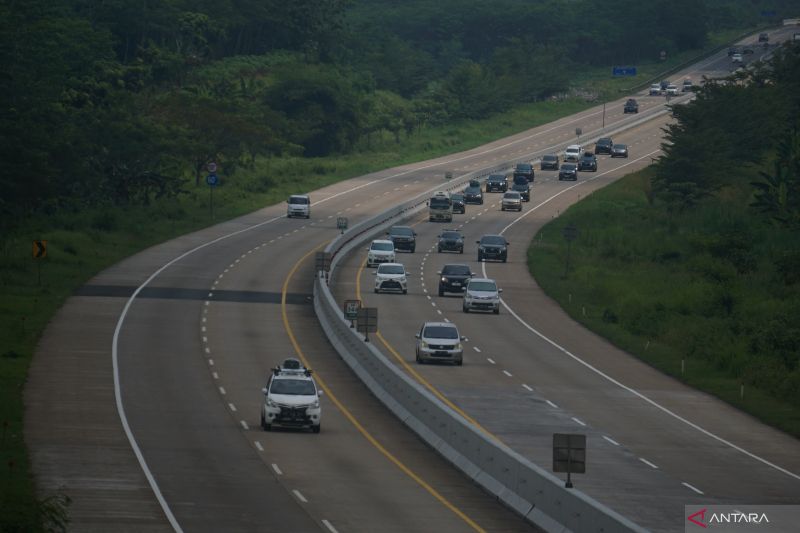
(299, 205)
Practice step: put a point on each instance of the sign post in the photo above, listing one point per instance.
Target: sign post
(212, 181)
(367, 321)
(351, 308)
(341, 223)
(322, 261)
(39, 252)
(569, 455)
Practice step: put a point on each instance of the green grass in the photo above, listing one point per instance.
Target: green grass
(700, 288)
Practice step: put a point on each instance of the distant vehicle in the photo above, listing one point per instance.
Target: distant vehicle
(569, 171)
(663, 85)
(458, 202)
(482, 294)
(473, 193)
(549, 161)
(391, 277)
(619, 150)
(403, 237)
(655, 89)
(497, 183)
(522, 186)
(687, 85)
(763, 37)
(440, 207)
(291, 398)
(672, 90)
(439, 341)
(588, 162)
(492, 247)
(453, 278)
(573, 153)
(298, 205)
(451, 240)
(631, 106)
(737, 58)
(524, 169)
(603, 145)
(512, 201)
(380, 251)
(733, 50)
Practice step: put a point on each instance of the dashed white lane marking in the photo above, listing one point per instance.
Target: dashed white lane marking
(551, 404)
(231, 266)
(233, 407)
(648, 463)
(299, 496)
(208, 303)
(203, 329)
(222, 390)
(698, 491)
(433, 304)
(476, 349)
(205, 339)
(507, 373)
(239, 260)
(447, 320)
(244, 425)
(527, 388)
(210, 362)
(429, 296)
(204, 319)
(215, 375)
(277, 469)
(612, 441)
(329, 526)
(330, 216)
(425, 291)
(579, 421)
(439, 311)
(491, 360)
(259, 446)
(208, 350)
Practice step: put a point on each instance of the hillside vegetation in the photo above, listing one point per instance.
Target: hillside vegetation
(694, 264)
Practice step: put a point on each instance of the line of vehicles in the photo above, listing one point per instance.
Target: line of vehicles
(667, 88)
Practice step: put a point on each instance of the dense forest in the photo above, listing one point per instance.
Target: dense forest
(119, 102)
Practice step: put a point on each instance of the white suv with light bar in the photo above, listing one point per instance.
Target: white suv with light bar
(380, 251)
(573, 153)
(291, 398)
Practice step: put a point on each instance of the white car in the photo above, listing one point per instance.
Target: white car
(655, 89)
(380, 251)
(298, 205)
(291, 398)
(672, 90)
(391, 277)
(512, 200)
(573, 153)
(439, 341)
(737, 58)
(482, 294)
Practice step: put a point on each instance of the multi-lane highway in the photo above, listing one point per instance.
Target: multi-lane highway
(165, 354)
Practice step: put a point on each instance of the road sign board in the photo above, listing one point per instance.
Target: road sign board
(39, 249)
(341, 223)
(367, 320)
(623, 71)
(212, 180)
(212, 167)
(570, 232)
(578, 132)
(351, 308)
(569, 453)
(769, 13)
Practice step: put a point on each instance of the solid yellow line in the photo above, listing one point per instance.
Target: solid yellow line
(352, 418)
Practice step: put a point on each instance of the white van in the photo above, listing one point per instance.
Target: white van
(299, 205)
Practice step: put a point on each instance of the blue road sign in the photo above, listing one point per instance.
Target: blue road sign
(212, 180)
(623, 71)
(768, 13)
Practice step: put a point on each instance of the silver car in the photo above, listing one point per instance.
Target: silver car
(482, 294)
(512, 200)
(439, 341)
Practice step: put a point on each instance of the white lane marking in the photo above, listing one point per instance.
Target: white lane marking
(698, 491)
(222, 390)
(215, 375)
(203, 329)
(205, 340)
(429, 296)
(277, 469)
(476, 349)
(204, 319)
(299, 496)
(447, 320)
(439, 311)
(527, 388)
(612, 441)
(433, 304)
(233, 407)
(259, 446)
(329, 526)
(210, 362)
(507, 373)
(579, 421)
(244, 425)
(551, 404)
(491, 360)
(208, 303)
(208, 350)
(425, 291)
(648, 463)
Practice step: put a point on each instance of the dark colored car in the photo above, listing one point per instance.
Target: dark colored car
(522, 186)
(631, 106)
(569, 171)
(497, 183)
(588, 162)
(549, 161)
(473, 193)
(763, 37)
(493, 247)
(687, 85)
(524, 169)
(453, 278)
(458, 202)
(619, 150)
(664, 84)
(403, 237)
(451, 241)
(602, 146)
(733, 50)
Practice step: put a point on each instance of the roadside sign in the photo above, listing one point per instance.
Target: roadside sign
(623, 71)
(351, 308)
(39, 249)
(769, 14)
(578, 132)
(569, 454)
(367, 321)
(448, 175)
(212, 167)
(322, 261)
(663, 55)
(212, 180)
(341, 223)
(570, 232)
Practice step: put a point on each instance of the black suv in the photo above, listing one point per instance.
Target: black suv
(588, 162)
(458, 202)
(569, 171)
(497, 183)
(631, 106)
(473, 194)
(522, 186)
(403, 237)
(603, 145)
(451, 240)
(549, 161)
(453, 278)
(524, 169)
(493, 247)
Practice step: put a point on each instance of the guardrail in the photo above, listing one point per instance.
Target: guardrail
(534, 493)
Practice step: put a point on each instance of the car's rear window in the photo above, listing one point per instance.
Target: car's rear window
(292, 387)
(405, 232)
(525, 167)
(383, 246)
(568, 166)
(497, 177)
(440, 332)
(549, 158)
(455, 270)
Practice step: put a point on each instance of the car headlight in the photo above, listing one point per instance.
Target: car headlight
(424, 344)
(270, 403)
(457, 347)
(315, 405)
(444, 280)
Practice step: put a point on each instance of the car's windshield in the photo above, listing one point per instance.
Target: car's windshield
(299, 200)
(523, 167)
(293, 387)
(567, 167)
(391, 269)
(549, 158)
(405, 232)
(571, 150)
(456, 197)
(451, 235)
(383, 246)
(492, 239)
(511, 195)
(497, 177)
(484, 286)
(455, 270)
(620, 146)
(440, 332)
(439, 202)
(472, 189)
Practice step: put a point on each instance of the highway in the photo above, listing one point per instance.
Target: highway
(168, 350)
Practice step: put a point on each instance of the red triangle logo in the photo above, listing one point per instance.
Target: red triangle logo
(702, 514)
